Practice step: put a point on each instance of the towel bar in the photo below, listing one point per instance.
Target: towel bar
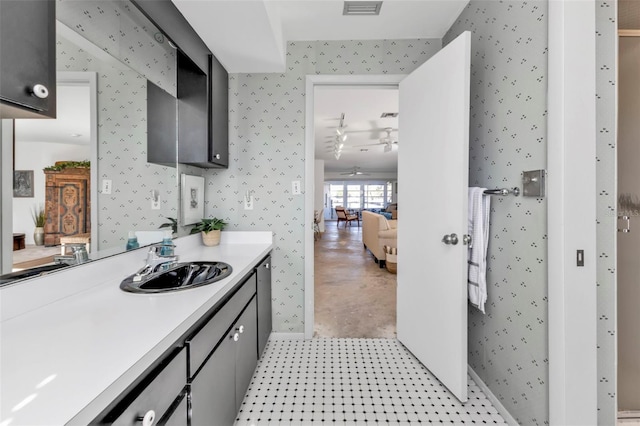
(503, 191)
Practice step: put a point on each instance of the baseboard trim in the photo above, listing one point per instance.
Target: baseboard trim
(286, 336)
(491, 397)
(629, 414)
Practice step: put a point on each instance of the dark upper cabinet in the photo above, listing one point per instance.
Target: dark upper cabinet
(161, 126)
(219, 110)
(27, 59)
(203, 93)
(193, 117)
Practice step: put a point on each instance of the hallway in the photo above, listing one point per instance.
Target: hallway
(353, 296)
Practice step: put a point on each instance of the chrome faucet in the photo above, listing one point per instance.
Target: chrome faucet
(155, 261)
(78, 255)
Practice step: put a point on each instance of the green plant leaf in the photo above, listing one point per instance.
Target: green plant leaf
(208, 225)
(39, 216)
(173, 224)
(61, 165)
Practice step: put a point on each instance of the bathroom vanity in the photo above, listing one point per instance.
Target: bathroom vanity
(116, 357)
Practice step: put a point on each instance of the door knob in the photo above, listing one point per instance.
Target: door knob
(450, 239)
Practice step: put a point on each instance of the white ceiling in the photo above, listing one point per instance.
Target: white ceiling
(362, 108)
(73, 118)
(251, 35)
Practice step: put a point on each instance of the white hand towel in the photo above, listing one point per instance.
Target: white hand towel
(479, 206)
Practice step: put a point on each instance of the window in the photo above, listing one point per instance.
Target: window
(374, 196)
(353, 197)
(361, 195)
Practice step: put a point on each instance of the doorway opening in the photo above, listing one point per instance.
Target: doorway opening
(628, 239)
(356, 158)
(311, 179)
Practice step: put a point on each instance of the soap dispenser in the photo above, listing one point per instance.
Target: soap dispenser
(167, 244)
(132, 242)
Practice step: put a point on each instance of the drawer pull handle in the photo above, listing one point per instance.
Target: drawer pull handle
(240, 329)
(148, 418)
(266, 265)
(236, 337)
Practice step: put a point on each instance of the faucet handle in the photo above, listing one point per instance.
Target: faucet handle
(79, 252)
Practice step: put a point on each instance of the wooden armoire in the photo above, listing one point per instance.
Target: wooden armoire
(67, 203)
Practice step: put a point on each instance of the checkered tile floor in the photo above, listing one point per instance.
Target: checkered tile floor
(353, 381)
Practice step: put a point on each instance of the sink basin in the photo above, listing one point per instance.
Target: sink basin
(179, 277)
(28, 273)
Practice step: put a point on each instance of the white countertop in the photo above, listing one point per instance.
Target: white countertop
(70, 350)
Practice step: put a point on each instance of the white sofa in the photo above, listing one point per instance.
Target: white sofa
(377, 232)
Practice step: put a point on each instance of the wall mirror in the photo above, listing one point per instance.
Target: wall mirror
(106, 53)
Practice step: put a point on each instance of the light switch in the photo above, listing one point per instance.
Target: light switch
(295, 187)
(106, 186)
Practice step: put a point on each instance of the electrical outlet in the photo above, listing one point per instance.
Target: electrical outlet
(248, 203)
(106, 186)
(295, 187)
(155, 199)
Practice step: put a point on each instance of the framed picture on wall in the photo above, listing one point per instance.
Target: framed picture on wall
(192, 195)
(23, 183)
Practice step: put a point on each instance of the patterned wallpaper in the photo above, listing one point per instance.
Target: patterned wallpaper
(606, 181)
(121, 30)
(508, 346)
(122, 150)
(266, 143)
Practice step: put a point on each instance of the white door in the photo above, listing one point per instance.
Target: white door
(433, 179)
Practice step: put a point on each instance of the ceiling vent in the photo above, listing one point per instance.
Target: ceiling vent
(361, 8)
(389, 114)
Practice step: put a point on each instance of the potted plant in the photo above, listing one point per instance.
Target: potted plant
(210, 230)
(173, 224)
(39, 218)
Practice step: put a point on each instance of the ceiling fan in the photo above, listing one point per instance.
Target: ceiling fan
(355, 172)
(387, 141)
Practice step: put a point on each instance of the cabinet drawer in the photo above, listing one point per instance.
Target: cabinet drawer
(204, 341)
(159, 394)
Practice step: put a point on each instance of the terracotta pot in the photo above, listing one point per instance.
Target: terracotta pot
(38, 236)
(211, 238)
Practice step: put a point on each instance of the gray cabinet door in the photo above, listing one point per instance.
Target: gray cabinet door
(264, 303)
(193, 120)
(246, 350)
(161, 126)
(27, 43)
(213, 390)
(219, 110)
